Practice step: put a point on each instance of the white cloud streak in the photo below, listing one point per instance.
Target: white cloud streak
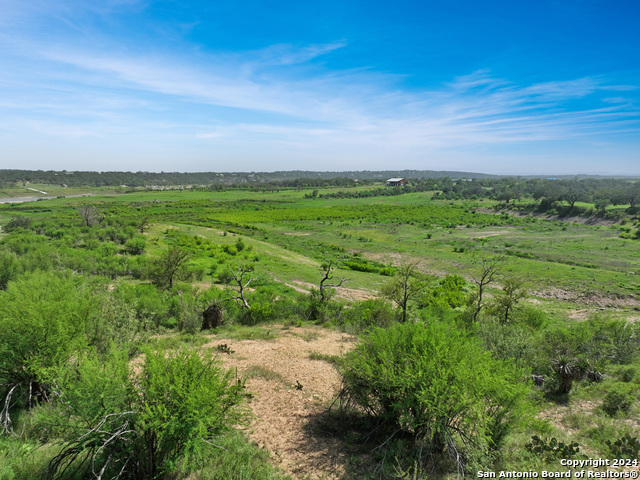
(281, 97)
(476, 108)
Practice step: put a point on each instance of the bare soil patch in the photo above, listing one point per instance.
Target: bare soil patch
(579, 314)
(492, 234)
(354, 294)
(281, 410)
(341, 292)
(588, 298)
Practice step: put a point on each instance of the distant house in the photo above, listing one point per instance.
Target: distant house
(397, 182)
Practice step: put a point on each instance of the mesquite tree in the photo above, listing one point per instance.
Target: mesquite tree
(405, 286)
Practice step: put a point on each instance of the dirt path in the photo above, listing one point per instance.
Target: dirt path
(274, 368)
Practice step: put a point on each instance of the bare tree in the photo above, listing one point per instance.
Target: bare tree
(90, 215)
(490, 270)
(326, 276)
(242, 282)
(405, 286)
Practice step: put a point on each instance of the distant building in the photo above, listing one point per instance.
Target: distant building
(397, 182)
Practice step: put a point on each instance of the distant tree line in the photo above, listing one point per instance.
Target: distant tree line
(548, 192)
(281, 178)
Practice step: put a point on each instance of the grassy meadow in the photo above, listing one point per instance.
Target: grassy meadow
(445, 237)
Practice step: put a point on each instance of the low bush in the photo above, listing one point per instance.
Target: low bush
(361, 266)
(511, 341)
(235, 458)
(21, 459)
(627, 373)
(115, 323)
(135, 246)
(366, 315)
(452, 291)
(620, 397)
(147, 300)
(532, 317)
(8, 268)
(43, 320)
(434, 385)
(143, 422)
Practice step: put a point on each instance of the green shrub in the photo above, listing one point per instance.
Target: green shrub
(318, 310)
(361, 266)
(449, 292)
(8, 268)
(43, 321)
(532, 317)
(619, 398)
(510, 341)
(438, 386)
(116, 324)
(366, 315)
(235, 458)
(627, 373)
(147, 300)
(601, 338)
(42, 423)
(258, 313)
(169, 267)
(188, 309)
(230, 249)
(387, 271)
(143, 422)
(21, 459)
(17, 223)
(135, 246)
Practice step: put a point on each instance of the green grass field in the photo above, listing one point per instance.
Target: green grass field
(294, 232)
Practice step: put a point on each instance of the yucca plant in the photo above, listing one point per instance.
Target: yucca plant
(567, 371)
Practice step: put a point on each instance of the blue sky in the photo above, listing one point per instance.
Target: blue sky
(508, 87)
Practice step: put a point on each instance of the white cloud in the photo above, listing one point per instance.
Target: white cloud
(280, 98)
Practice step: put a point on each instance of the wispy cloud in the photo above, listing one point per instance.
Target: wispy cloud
(282, 54)
(471, 103)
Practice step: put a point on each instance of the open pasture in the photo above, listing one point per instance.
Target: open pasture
(444, 236)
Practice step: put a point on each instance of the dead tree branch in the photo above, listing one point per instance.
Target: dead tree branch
(326, 276)
(490, 270)
(239, 278)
